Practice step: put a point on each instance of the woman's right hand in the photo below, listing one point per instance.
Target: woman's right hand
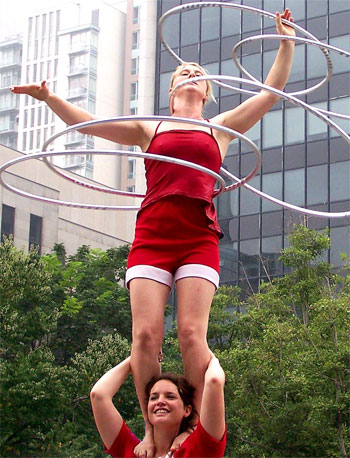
(34, 90)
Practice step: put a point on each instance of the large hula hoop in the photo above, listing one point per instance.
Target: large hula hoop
(175, 119)
(189, 6)
(107, 152)
(284, 37)
(294, 100)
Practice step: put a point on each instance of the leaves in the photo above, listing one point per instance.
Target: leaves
(285, 351)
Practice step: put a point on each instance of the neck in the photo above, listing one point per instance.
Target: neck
(187, 108)
(163, 438)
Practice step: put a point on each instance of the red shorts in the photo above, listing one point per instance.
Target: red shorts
(173, 241)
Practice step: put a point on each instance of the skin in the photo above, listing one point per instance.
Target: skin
(165, 407)
(148, 298)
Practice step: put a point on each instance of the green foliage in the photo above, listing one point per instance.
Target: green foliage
(287, 360)
(66, 320)
(43, 300)
(92, 301)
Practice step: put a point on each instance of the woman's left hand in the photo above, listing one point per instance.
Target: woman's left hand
(284, 29)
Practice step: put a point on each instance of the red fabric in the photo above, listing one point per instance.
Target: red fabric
(164, 179)
(198, 445)
(173, 232)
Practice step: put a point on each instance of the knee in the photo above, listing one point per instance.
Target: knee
(147, 339)
(191, 337)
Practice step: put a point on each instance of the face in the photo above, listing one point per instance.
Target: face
(190, 71)
(165, 404)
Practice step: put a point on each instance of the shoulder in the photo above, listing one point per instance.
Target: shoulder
(200, 444)
(124, 443)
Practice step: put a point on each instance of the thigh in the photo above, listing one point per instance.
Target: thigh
(148, 299)
(194, 298)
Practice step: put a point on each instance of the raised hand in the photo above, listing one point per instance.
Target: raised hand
(284, 29)
(39, 92)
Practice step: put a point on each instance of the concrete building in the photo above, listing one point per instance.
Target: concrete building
(101, 57)
(43, 224)
(303, 162)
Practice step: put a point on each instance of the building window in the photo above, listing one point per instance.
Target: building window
(133, 110)
(134, 91)
(35, 231)
(7, 221)
(135, 40)
(134, 65)
(136, 15)
(131, 168)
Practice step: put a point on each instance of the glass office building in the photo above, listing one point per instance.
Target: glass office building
(303, 161)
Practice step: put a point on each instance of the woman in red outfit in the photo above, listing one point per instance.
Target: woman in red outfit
(176, 236)
(169, 408)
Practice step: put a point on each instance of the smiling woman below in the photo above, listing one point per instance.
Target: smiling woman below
(170, 411)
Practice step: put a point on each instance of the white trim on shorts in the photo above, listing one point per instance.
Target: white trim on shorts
(198, 271)
(166, 278)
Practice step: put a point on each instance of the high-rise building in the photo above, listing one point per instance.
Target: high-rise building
(303, 161)
(10, 74)
(79, 51)
(99, 56)
(139, 76)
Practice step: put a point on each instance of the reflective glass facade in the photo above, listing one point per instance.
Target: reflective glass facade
(303, 161)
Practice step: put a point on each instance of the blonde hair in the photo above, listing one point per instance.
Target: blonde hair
(209, 91)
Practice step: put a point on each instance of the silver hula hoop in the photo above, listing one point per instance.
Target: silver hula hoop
(295, 101)
(175, 119)
(317, 43)
(107, 152)
(189, 6)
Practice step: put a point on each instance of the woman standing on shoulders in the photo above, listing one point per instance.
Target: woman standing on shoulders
(177, 233)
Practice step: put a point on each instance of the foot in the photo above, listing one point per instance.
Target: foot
(146, 448)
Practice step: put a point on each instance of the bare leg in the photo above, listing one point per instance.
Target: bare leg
(194, 297)
(148, 299)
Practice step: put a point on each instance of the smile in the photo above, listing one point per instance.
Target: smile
(161, 411)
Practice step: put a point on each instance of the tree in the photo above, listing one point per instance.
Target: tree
(32, 385)
(287, 359)
(45, 405)
(92, 298)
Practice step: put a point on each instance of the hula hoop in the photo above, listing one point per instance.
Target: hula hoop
(189, 6)
(172, 160)
(284, 37)
(294, 100)
(108, 152)
(287, 205)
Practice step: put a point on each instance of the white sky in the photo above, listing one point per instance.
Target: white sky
(14, 13)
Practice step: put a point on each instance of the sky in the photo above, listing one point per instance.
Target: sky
(13, 19)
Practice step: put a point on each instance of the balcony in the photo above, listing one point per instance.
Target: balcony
(82, 47)
(8, 108)
(12, 127)
(78, 70)
(77, 92)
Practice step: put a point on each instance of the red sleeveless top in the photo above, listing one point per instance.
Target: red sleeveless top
(165, 179)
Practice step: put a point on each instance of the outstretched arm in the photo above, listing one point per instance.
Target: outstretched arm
(212, 415)
(127, 133)
(243, 117)
(108, 419)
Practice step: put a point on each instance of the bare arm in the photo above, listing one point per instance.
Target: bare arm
(252, 110)
(213, 405)
(108, 419)
(126, 133)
